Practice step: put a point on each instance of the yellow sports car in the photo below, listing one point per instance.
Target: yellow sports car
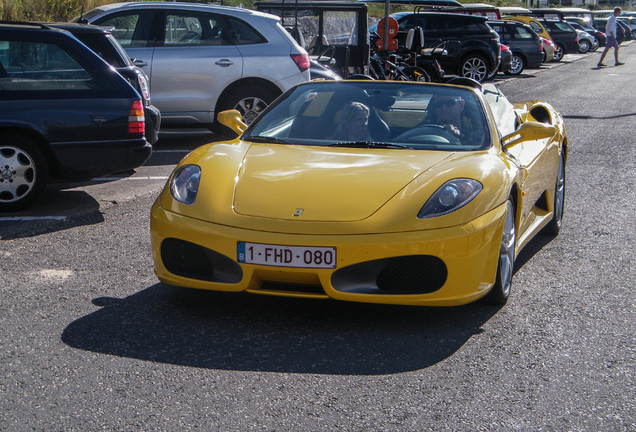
(367, 191)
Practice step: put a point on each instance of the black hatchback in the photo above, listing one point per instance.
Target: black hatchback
(525, 44)
(565, 38)
(64, 113)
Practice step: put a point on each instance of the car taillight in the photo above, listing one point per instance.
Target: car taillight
(143, 85)
(602, 34)
(540, 45)
(301, 60)
(136, 123)
(504, 48)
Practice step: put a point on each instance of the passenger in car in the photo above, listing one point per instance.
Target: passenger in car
(353, 123)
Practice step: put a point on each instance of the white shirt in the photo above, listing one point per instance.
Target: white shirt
(610, 27)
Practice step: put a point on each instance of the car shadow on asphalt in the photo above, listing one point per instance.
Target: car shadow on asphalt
(246, 332)
(56, 210)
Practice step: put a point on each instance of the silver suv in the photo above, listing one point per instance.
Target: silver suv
(203, 59)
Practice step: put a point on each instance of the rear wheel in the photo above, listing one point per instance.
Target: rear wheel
(250, 101)
(501, 290)
(559, 52)
(518, 65)
(23, 171)
(584, 46)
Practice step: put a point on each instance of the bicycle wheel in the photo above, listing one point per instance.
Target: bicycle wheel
(415, 73)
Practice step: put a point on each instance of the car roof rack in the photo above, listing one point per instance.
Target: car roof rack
(423, 3)
(25, 23)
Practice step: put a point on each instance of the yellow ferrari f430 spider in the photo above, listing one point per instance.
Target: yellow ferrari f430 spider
(368, 191)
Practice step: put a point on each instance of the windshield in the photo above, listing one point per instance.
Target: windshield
(375, 115)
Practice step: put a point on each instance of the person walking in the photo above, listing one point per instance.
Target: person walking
(612, 42)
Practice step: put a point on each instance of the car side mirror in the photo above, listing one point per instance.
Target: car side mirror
(529, 131)
(233, 120)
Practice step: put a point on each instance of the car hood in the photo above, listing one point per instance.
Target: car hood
(319, 184)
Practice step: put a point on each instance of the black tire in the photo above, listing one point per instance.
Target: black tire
(23, 171)
(584, 46)
(417, 74)
(249, 100)
(559, 52)
(554, 226)
(474, 66)
(500, 291)
(518, 65)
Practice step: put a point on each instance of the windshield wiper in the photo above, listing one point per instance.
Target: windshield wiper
(368, 144)
(264, 139)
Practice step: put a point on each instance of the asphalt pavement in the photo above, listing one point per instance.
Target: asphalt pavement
(91, 341)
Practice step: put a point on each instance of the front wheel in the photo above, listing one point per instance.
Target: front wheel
(500, 292)
(23, 171)
(474, 67)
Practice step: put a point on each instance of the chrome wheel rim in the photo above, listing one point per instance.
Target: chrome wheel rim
(17, 174)
(517, 65)
(250, 108)
(584, 46)
(507, 250)
(475, 68)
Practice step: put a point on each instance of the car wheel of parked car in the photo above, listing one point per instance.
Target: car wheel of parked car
(501, 290)
(250, 101)
(518, 65)
(559, 52)
(584, 46)
(594, 46)
(23, 171)
(554, 226)
(475, 67)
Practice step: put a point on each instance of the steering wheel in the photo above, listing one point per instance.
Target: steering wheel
(330, 49)
(430, 134)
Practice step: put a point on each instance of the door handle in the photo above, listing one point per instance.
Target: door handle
(224, 62)
(139, 63)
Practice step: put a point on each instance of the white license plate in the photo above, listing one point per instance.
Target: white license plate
(287, 256)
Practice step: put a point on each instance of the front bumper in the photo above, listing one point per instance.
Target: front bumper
(450, 266)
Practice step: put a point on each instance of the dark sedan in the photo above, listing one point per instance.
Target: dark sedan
(64, 113)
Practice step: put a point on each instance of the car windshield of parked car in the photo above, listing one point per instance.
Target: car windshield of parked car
(375, 115)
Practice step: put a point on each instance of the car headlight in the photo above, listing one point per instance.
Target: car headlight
(185, 183)
(453, 195)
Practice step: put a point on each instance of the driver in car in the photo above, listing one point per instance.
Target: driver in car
(449, 112)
